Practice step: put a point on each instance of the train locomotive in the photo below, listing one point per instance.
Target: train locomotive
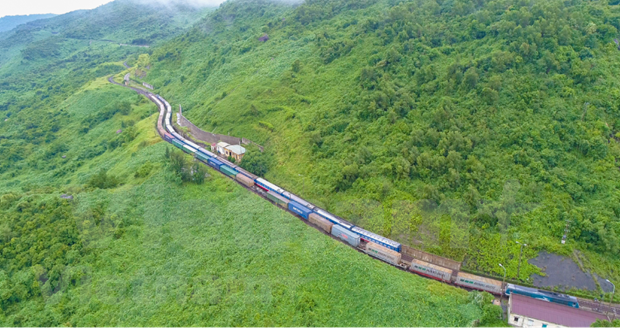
(365, 241)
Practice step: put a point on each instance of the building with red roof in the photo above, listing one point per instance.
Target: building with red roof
(524, 311)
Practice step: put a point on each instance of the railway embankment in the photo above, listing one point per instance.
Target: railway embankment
(597, 307)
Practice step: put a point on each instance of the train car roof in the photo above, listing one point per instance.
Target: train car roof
(190, 148)
(206, 152)
(270, 185)
(431, 265)
(300, 200)
(557, 295)
(333, 218)
(376, 237)
(191, 144)
(540, 291)
(479, 278)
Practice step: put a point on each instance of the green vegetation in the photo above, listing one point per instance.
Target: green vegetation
(605, 323)
(256, 161)
(456, 126)
(101, 223)
(184, 170)
(153, 251)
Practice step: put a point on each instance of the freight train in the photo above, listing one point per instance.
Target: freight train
(370, 243)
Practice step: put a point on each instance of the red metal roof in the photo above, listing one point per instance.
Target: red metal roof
(552, 312)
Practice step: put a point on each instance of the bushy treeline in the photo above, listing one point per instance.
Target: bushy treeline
(38, 239)
(256, 161)
(185, 170)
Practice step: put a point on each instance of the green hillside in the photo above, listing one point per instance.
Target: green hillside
(137, 246)
(456, 126)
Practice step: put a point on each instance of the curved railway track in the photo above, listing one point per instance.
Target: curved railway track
(164, 123)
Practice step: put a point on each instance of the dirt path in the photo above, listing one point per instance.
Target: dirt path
(563, 272)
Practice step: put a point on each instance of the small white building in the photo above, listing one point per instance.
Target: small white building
(228, 150)
(221, 146)
(525, 311)
(235, 151)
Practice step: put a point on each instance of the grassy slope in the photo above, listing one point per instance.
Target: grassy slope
(527, 157)
(153, 252)
(212, 255)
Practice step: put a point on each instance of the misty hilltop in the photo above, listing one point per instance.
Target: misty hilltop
(8, 23)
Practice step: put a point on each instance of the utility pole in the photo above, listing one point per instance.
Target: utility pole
(520, 255)
(612, 298)
(503, 281)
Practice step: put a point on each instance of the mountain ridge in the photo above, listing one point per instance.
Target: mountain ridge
(8, 23)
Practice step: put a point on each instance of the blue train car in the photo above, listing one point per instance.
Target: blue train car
(350, 237)
(373, 237)
(543, 295)
(299, 209)
(214, 162)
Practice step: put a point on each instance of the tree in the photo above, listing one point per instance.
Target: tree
(256, 161)
(296, 67)
(199, 171)
(102, 180)
(470, 79)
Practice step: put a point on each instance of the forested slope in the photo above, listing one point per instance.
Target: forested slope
(99, 225)
(456, 126)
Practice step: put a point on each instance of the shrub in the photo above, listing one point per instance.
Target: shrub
(102, 180)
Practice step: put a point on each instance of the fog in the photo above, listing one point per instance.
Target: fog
(202, 3)
(194, 3)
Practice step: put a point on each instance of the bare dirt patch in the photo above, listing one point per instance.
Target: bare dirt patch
(562, 272)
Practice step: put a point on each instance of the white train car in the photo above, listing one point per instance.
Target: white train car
(206, 152)
(266, 185)
(481, 283)
(192, 144)
(383, 253)
(298, 199)
(377, 239)
(189, 149)
(430, 270)
(333, 218)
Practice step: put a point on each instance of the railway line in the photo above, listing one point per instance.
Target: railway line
(338, 228)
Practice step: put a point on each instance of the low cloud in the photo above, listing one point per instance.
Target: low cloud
(173, 3)
(201, 3)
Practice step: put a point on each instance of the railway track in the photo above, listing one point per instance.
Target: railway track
(591, 305)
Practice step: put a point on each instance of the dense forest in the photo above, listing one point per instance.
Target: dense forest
(102, 223)
(456, 126)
